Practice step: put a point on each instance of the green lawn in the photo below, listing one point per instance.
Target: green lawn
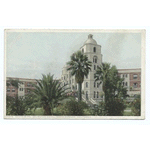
(127, 113)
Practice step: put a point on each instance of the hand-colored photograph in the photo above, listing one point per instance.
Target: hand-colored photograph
(74, 74)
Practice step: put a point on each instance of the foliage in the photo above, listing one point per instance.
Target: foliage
(115, 108)
(14, 82)
(80, 67)
(17, 105)
(98, 110)
(72, 107)
(49, 92)
(136, 106)
(114, 92)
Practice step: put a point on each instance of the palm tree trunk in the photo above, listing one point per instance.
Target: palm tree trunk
(47, 110)
(79, 91)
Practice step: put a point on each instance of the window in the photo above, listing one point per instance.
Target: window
(123, 83)
(135, 85)
(13, 90)
(76, 87)
(94, 67)
(21, 89)
(126, 84)
(95, 59)
(123, 75)
(97, 94)
(86, 84)
(28, 84)
(87, 77)
(86, 94)
(135, 76)
(94, 49)
(82, 50)
(97, 85)
(8, 90)
(97, 66)
(94, 84)
(126, 75)
(94, 94)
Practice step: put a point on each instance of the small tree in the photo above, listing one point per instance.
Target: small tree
(113, 89)
(49, 92)
(136, 106)
(17, 105)
(73, 108)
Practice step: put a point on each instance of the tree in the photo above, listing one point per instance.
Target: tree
(113, 89)
(101, 75)
(136, 106)
(80, 67)
(49, 92)
(18, 105)
(73, 108)
(14, 82)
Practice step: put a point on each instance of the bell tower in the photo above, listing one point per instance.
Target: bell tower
(91, 89)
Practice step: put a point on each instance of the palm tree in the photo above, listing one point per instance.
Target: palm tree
(102, 74)
(49, 92)
(80, 67)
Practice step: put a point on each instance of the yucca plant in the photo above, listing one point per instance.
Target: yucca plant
(79, 65)
(49, 92)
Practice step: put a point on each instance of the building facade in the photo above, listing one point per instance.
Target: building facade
(25, 86)
(132, 80)
(90, 88)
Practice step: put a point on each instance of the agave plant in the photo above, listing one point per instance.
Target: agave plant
(49, 92)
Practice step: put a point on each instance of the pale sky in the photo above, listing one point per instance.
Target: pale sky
(30, 54)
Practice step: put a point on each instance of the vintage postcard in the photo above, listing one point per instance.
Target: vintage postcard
(74, 74)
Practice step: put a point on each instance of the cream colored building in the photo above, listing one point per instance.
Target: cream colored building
(90, 88)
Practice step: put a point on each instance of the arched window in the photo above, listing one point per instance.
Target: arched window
(94, 94)
(82, 50)
(95, 59)
(86, 94)
(86, 84)
(94, 67)
(94, 49)
(94, 84)
(97, 85)
(76, 87)
(97, 94)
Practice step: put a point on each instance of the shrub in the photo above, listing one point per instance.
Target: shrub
(115, 108)
(136, 107)
(72, 107)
